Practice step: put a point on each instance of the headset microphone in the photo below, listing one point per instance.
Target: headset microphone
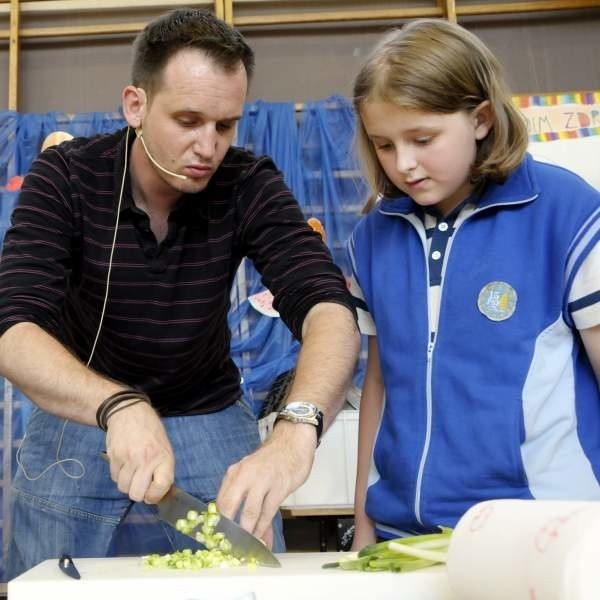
(140, 136)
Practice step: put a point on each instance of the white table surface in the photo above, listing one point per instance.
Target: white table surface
(300, 578)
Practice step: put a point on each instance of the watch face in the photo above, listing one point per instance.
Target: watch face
(303, 412)
(301, 409)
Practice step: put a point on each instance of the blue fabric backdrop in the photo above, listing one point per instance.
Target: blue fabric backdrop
(313, 147)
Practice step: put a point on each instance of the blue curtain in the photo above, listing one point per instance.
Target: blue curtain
(8, 138)
(21, 135)
(262, 346)
(334, 188)
(311, 147)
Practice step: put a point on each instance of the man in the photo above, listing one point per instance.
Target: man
(115, 282)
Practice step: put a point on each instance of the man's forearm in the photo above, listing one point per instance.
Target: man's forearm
(327, 359)
(44, 370)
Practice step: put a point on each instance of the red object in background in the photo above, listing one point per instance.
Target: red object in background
(14, 183)
(263, 303)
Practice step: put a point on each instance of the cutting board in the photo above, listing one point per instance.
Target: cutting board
(299, 578)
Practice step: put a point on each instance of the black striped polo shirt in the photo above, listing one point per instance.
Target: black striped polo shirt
(165, 330)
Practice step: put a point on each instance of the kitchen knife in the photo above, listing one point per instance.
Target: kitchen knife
(176, 504)
(67, 566)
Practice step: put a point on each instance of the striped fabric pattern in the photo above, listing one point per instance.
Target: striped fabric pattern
(439, 231)
(165, 329)
(567, 105)
(578, 97)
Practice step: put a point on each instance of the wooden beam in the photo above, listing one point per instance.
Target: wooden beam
(228, 11)
(450, 10)
(90, 30)
(77, 30)
(13, 57)
(316, 511)
(219, 9)
(496, 8)
(339, 15)
(444, 8)
(57, 6)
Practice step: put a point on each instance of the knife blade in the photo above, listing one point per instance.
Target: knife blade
(176, 504)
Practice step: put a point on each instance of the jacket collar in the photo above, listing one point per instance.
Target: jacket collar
(521, 186)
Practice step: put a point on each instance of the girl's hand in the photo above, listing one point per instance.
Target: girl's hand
(364, 534)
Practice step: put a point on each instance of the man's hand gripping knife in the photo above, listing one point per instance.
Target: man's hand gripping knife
(142, 463)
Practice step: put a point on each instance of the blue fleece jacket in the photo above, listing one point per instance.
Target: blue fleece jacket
(504, 403)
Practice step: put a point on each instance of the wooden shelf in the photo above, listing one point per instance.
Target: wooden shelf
(498, 8)
(76, 30)
(449, 9)
(316, 511)
(264, 13)
(337, 16)
(18, 11)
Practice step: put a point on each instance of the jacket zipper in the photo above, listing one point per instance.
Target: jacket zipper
(425, 452)
(420, 229)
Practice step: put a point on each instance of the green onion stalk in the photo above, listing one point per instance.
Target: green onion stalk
(399, 554)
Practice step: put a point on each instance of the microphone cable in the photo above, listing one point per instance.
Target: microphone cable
(60, 461)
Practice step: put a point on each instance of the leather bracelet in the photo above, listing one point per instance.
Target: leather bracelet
(112, 401)
(111, 405)
(114, 404)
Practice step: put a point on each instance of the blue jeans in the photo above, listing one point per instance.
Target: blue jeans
(75, 508)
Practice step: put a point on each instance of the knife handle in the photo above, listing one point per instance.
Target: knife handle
(67, 566)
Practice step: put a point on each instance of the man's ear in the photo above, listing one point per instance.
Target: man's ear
(483, 116)
(134, 101)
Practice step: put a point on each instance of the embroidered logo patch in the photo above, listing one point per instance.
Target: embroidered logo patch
(497, 300)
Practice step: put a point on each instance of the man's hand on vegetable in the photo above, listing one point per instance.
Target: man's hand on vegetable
(260, 482)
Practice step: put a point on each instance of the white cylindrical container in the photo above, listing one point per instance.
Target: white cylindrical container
(526, 550)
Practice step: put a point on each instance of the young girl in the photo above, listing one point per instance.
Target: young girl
(478, 278)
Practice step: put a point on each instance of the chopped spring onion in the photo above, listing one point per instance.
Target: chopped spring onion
(188, 559)
(400, 554)
(218, 550)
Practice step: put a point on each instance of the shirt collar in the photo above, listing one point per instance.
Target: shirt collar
(520, 186)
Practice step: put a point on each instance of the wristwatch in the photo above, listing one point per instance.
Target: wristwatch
(303, 412)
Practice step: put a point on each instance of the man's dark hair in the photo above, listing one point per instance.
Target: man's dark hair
(181, 29)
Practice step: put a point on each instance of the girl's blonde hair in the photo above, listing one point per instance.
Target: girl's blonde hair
(437, 66)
